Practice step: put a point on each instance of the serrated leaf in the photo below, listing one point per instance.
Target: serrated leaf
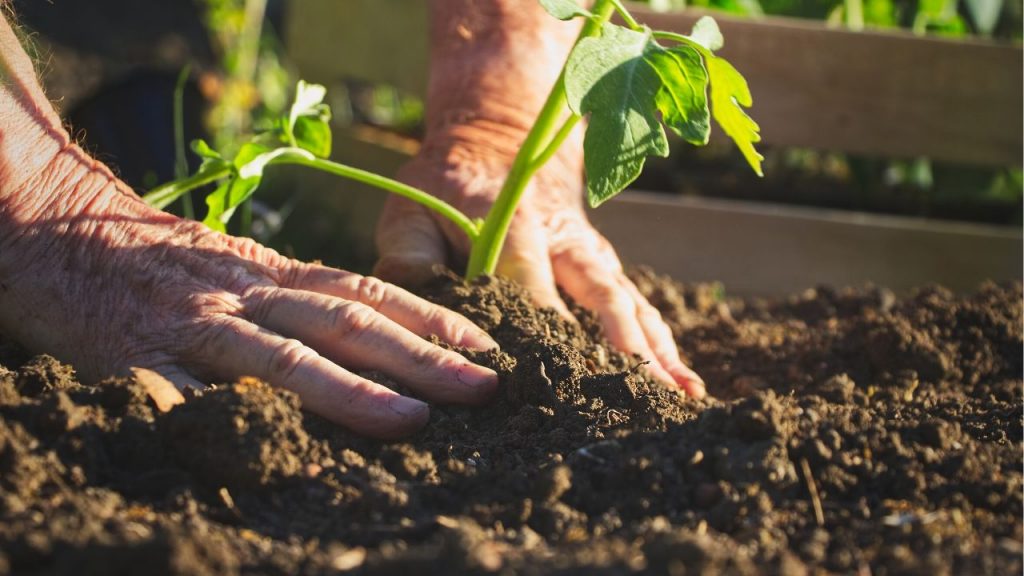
(729, 95)
(564, 9)
(682, 99)
(623, 79)
(706, 33)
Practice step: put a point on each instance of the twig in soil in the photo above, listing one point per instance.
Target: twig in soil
(812, 488)
(229, 502)
(636, 367)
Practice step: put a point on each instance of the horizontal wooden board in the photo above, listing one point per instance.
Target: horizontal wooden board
(761, 249)
(887, 94)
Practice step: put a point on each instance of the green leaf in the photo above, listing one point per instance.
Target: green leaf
(682, 99)
(564, 9)
(706, 33)
(729, 95)
(623, 79)
(204, 151)
(308, 103)
(222, 202)
(313, 134)
(249, 164)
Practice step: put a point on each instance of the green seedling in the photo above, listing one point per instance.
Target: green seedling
(621, 77)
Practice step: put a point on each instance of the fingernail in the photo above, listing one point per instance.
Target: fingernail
(690, 381)
(407, 407)
(477, 376)
(478, 340)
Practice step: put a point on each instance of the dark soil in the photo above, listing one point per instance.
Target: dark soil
(853, 433)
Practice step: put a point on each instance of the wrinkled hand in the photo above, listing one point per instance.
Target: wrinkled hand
(91, 274)
(550, 243)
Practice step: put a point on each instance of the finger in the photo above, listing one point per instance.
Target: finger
(594, 284)
(409, 243)
(414, 313)
(354, 335)
(526, 259)
(663, 344)
(240, 348)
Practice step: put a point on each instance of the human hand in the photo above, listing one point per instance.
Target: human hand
(91, 274)
(550, 242)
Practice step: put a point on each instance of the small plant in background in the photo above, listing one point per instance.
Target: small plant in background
(623, 78)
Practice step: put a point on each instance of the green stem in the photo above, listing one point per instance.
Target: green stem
(471, 228)
(626, 16)
(161, 196)
(245, 221)
(682, 39)
(180, 162)
(483, 257)
(556, 143)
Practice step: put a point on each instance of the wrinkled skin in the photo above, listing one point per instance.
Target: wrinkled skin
(91, 274)
(492, 65)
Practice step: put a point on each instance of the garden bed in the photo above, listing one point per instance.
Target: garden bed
(853, 431)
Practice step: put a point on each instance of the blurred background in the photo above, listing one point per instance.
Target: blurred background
(138, 79)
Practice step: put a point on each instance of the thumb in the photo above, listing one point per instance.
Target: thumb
(409, 243)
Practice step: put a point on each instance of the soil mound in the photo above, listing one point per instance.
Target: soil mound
(851, 431)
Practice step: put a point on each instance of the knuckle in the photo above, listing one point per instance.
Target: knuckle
(201, 304)
(291, 273)
(443, 323)
(350, 320)
(371, 291)
(257, 301)
(286, 358)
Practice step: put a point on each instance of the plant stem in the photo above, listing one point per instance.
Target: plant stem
(161, 196)
(556, 142)
(467, 225)
(245, 220)
(536, 149)
(626, 16)
(180, 162)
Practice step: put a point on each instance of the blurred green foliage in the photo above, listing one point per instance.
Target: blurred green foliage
(996, 18)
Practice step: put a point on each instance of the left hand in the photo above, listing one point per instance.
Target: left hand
(551, 242)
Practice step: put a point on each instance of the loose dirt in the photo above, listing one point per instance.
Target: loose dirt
(852, 432)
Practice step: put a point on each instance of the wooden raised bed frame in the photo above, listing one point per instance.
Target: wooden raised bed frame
(880, 93)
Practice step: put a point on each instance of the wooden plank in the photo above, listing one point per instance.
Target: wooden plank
(878, 93)
(760, 249)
